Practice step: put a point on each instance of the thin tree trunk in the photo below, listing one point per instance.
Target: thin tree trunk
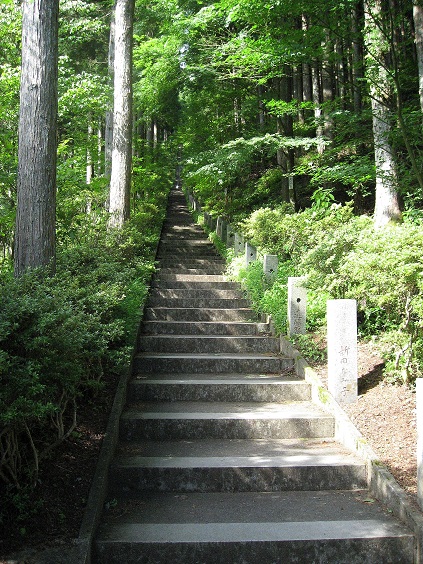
(90, 164)
(36, 185)
(108, 133)
(357, 69)
(327, 86)
(418, 27)
(386, 197)
(120, 181)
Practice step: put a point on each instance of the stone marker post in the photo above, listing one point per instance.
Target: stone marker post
(297, 303)
(221, 228)
(239, 244)
(270, 267)
(230, 237)
(342, 350)
(250, 253)
(291, 188)
(419, 405)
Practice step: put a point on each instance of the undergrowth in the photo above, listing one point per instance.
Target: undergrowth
(61, 334)
(342, 255)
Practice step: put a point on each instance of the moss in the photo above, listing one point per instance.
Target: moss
(324, 396)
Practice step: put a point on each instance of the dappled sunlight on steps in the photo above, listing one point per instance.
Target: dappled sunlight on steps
(222, 456)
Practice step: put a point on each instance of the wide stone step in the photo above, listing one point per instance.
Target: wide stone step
(224, 420)
(188, 293)
(163, 281)
(198, 314)
(190, 271)
(194, 248)
(203, 328)
(204, 302)
(247, 528)
(210, 363)
(208, 344)
(201, 242)
(170, 277)
(184, 262)
(219, 387)
(236, 466)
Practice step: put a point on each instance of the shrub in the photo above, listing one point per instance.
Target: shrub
(59, 336)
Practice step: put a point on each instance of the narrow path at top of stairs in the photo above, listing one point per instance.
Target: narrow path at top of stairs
(222, 456)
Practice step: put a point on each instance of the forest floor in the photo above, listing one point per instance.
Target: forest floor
(384, 413)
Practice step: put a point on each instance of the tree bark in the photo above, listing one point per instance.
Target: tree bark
(108, 134)
(418, 27)
(357, 67)
(386, 198)
(120, 181)
(35, 236)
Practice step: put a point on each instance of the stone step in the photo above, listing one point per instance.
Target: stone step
(224, 420)
(190, 271)
(247, 528)
(182, 255)
(203, 328)
(198, 314)
(210, 363)
(187, 251)
(218, 387)
(208, 344)
(236, 466)
(187, 246)
(210, 303)
(175, 262)
(197, 244)
(164, 276)
(189, 293)
(163, 282)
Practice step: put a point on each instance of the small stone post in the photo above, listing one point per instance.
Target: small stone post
(270, 267)
(239, 244)
(419, 410)
(230, 237)
(297, 303)
(291, 188)
(342, 350)
(250, 253)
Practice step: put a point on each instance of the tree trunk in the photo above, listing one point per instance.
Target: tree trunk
(90, 165)
(418, 26)
(327, 86)
(108, 133)
(120, 181)
(357, 67)
(386, 204)
(36, 185)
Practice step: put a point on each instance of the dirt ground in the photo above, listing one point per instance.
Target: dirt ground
(386, 416)
(384, 413)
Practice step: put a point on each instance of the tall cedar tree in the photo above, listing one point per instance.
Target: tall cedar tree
(120, 182)
(36, 184)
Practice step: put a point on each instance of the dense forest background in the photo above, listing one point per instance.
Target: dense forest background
(298, 122)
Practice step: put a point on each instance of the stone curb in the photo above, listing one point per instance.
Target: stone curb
(382, 484)
(82, 552)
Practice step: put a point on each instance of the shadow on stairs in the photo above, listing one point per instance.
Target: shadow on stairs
(222, 456)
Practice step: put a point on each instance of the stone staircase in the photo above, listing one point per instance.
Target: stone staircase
(222, 456)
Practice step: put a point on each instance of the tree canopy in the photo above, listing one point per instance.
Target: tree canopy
(298, 122)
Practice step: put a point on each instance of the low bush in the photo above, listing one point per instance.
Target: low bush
(60, 334)
(342, 256)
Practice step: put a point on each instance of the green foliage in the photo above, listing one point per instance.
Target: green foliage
(266, 297)
(237, 176)
(60, 335)
(311, 347)
(343, 256)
